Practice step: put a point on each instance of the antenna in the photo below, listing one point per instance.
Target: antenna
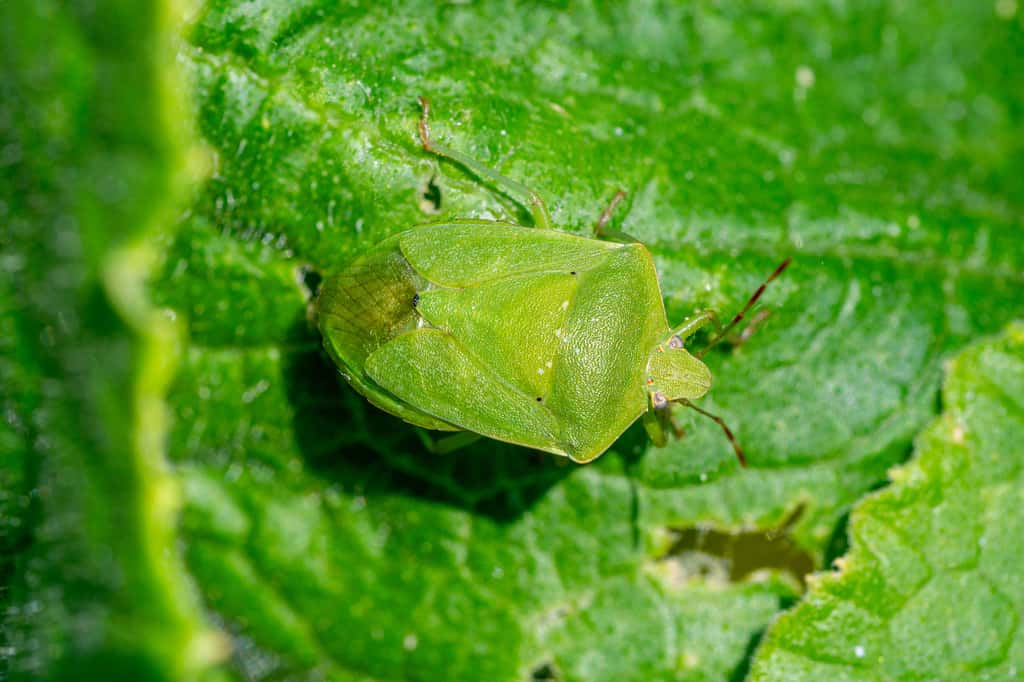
(739, 316)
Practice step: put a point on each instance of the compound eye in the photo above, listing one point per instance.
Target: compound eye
(675, 342)
(658, 400)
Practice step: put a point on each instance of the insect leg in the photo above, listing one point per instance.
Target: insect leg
(728, 433)
(677, 430)
(526, 196)
(655, 429)
(658, 423)
(447, 444)
(750, 304)
(601, 229)
(690, 326)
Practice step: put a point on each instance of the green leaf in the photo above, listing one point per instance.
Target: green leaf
(743, 134)
(933, 587)
(879, 145)
(93, 153)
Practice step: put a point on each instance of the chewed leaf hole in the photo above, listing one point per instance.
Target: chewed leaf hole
(706, 554)
(545, 672)
(430, 196)
(309, 278)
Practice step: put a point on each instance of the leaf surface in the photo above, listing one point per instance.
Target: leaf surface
(933, 586)
(743, 135)
(879, 145)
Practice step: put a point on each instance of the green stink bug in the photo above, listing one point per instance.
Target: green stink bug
(527, 335)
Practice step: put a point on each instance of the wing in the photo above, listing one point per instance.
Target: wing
(615, 319)
(513, 325)
(578, 342)
(433, 372)
(361, 308)
(469, 253)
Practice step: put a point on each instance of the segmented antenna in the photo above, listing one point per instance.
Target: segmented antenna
(746, 309)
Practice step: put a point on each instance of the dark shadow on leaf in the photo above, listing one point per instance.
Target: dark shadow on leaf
(743, 669)
(838, 543)
(345, 439)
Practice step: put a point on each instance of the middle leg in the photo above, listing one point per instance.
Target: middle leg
(601, 229)
(526, 196)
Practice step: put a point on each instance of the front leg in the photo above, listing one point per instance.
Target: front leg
(658, 423)
(655, 429)
(689, 327)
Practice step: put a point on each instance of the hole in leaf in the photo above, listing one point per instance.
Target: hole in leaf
(704, 553)
(430, 196)
(545, 672)
(310, 279)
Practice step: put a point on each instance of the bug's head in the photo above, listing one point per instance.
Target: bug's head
(674, 374)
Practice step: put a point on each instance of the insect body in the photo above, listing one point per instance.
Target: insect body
(531, 336)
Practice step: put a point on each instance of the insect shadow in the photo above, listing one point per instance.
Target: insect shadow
(365, 451)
